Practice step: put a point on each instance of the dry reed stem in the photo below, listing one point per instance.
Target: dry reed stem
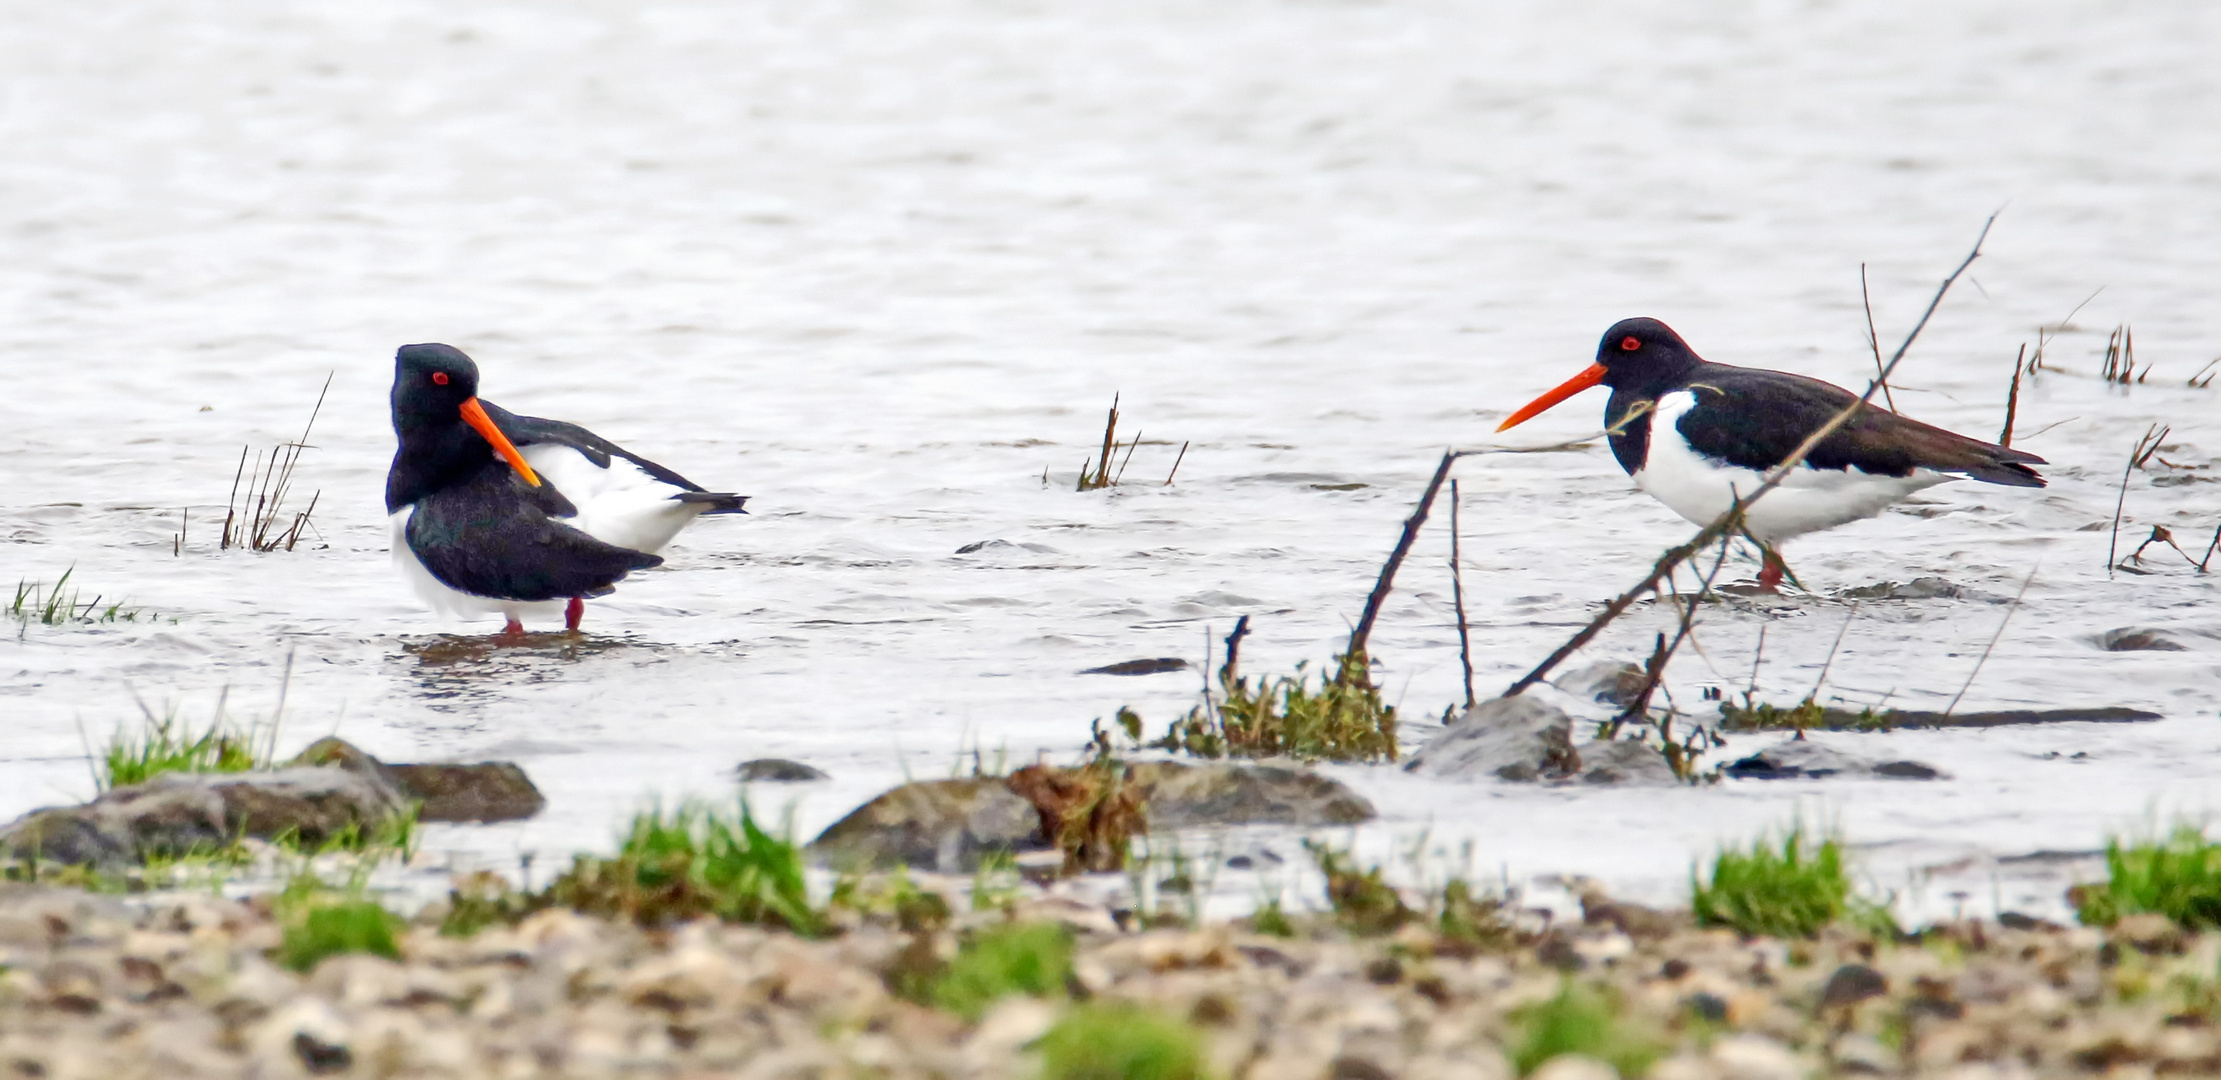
(1731, 519)
(267, 487)
(1457, 596)
(1102, 478)
(2196, 383)
(2210, 548)
(1176, 464)
(2012, 399)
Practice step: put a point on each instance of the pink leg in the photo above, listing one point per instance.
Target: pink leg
(573, 613)
(514, 628)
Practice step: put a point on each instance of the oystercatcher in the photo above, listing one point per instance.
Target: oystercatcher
(1694, 434)
(498, 513)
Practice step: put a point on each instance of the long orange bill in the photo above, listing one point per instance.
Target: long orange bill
(1566, 389)
(474, 414)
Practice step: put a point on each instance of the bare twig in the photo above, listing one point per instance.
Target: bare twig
(2138, 456)
(2012, 399)
(1758, 656)
(1102, 462)
(1124, 461)
(1874, 340)
(2210, 549)
(1364, 631)
(1457, 597)
(1176, 464)
(1994, 638)
(1731, 519)
(1655, 668)
(2198, 383)
(1830, 661)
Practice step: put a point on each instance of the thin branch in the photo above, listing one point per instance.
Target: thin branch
(1732, 518)
(1364, 631)
(1874, 340)
(1994, 638)
(2012, 399)
(1830, 661)
(2146, 445)
(1176, 464)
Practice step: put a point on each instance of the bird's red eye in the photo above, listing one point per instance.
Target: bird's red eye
(439, 378)
(1629, 344)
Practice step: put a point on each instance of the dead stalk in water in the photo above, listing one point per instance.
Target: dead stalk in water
(1457, 597)
(2012, 400)
(2139, 456)
(1830, 661)
(253, 523)
(2203, 377)
(1732, 519)
(1994, 639)
(2208, 557)
(1176, 464)
(1102, 477)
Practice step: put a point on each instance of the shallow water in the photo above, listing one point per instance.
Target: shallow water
(881, 266)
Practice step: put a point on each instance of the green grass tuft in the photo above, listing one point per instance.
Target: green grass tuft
(1580, 1021)
(1343, 720)
(320, 922)
(1362, 900)
(167, 744)
(691, 862)
(2178, 876)
(1116, 1041)
(1020, 958)
(49, 606)
(1791, 891)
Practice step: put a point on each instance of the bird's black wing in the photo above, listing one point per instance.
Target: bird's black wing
(1755, 419)
(496, 536)
(528, 430)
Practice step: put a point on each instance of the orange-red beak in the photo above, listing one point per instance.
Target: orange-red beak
(474, 414)
(1566, 389)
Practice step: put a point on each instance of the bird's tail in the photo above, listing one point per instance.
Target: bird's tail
(719, 502)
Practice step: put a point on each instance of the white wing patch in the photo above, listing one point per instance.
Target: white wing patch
(621, 504)
(1809, 499)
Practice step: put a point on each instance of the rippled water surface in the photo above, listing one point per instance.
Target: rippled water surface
(882, 265)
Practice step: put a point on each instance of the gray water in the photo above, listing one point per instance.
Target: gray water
(881, 265)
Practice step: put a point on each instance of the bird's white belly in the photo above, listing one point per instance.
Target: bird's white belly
(619, 505)
(448, 600)
(1808, 500)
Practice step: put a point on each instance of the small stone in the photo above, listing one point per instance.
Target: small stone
(1859, 1054)
(773, 770)
(1157, 666)
(2149, 932)
(1180, 796)
(1612, 682)
(486, 791)
(933, 824)
(1574, 1067)
(1851, 984)
(1756, 1057)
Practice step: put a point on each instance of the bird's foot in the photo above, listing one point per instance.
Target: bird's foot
(1770, 574)
(515, 629)
(574, 612)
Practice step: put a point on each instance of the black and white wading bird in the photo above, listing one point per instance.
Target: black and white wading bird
(1696, 434)
(495, 513)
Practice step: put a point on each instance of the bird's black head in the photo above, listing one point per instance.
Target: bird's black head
(1638, 357)
(430, 384)
(444, 433)
(1643, 356)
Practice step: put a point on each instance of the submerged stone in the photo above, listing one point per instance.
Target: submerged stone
(1802, 759)
(773, 770)
(1179, 795)
(1515, 738)
(945, 825)
(1614, 682)
(1157, 666)
(2138, 639)
(484, 791)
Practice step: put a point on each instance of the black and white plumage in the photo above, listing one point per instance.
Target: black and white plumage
(1695, 434)
(496, 513)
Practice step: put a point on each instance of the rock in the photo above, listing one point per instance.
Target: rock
(1851, 984)
(941, 824)
(2138, 639)
(1624, 761)
(452, 792)
(486, 791)
(175, 813)
(1803, 759)
(1178, 795)
(1157, 666)
(1515, 738)
(1614, 682)
(773, 770)
(1862, 1055)
(1756, 1057)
